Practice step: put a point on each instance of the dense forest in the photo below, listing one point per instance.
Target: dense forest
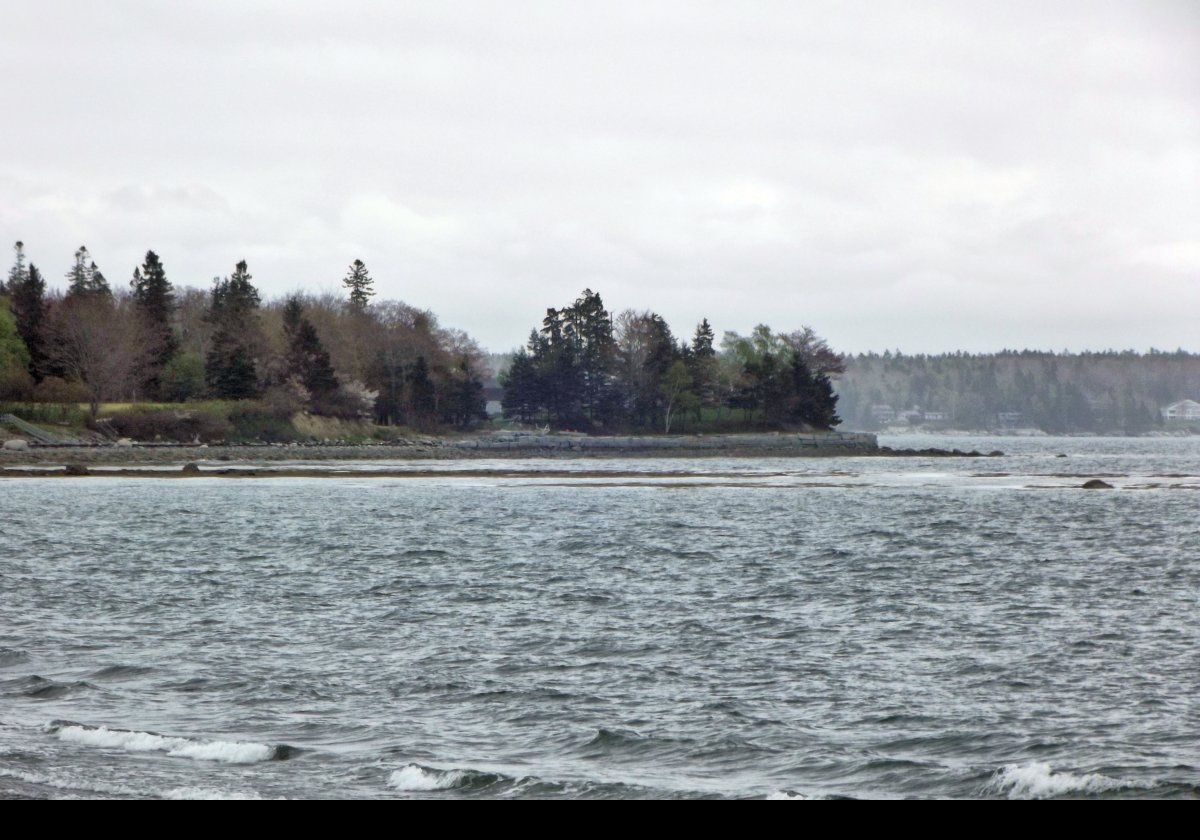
(585, 370)
(150, 341)
(1114, 392)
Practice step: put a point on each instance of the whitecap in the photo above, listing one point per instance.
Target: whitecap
(1038, 780)
(209, 794)
(227, 752)
(415, 777)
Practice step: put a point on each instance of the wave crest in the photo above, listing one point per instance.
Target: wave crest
(414, 777)
(1038, 780)
(226, 752)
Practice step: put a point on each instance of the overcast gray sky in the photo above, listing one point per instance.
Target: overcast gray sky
(928, 176)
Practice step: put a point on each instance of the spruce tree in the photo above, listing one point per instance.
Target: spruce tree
(84, 278)
(702, 341)
(154, 297)
(230, 369)
(522, 394)
(17, 273)
(465, 404)
(27, 294)
(307, 359)
(422, 396)
(360, 284)
(702, 364)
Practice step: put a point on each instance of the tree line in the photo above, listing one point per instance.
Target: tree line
(350, 356)
(586, 370)
(1110, 391)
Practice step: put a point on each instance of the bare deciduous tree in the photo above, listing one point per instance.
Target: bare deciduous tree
(100, 342)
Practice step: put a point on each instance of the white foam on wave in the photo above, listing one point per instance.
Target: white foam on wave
(786, 795)
(227, 752)
(1038, 780)
(75, 787)
(209, 794)
(415, 777)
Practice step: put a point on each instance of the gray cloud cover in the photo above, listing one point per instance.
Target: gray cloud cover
(929, 176)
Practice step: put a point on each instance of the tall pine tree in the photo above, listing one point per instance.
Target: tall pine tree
(360, 285)
(230, 368)
(85, 278)
(18, 271)
(307, 359)
(154, 298)
(27, 298)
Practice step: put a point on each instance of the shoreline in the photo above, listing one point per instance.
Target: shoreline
(494, 446)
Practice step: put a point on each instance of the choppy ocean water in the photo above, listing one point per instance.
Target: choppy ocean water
(783, 628)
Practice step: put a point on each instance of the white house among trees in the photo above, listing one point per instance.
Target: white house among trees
(1182, 410)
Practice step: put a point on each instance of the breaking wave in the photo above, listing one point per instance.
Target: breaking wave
(226, 752)
(414, 777)
(1038, 780)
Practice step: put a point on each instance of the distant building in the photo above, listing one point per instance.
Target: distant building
(1182, 410)
(936, 416)
(1009, 419)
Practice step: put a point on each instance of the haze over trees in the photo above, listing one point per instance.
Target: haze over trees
(1118, 392)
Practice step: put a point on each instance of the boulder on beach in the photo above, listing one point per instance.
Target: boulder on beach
(16, 445)
(1097, 484)
(191, 469)
(75, 469)
(125, 443)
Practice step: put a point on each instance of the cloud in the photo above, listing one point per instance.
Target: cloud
(932, 176)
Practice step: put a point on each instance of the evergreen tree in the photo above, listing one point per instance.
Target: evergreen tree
(307, 359)
(422, 394)
(464, 405)
(85, 278)
(702, 365)
(522, 389)
(360, 285)
(18, 271)
(230, 369)
(702, 342)
(27, 292)
(813, 401)
(154, 298)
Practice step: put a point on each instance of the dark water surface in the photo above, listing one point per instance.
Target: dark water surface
(804, 628)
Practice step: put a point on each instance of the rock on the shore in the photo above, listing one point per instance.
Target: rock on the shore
(75, 469)
(1097, 484)
(16, 445)
(191, 469)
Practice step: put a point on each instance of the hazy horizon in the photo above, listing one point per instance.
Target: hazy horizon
(925, 177)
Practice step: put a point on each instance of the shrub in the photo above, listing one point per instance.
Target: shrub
(259, 423)
(169, 425)
(182, 378)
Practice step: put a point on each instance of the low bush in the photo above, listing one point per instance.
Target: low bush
(255, 424)
(170, 425)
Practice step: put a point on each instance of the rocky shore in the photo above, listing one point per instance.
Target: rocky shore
(490, 446)
(502, 445)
